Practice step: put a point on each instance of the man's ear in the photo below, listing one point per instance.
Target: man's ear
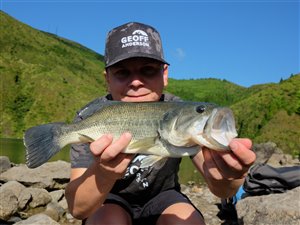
(165, 75)
(106, 77)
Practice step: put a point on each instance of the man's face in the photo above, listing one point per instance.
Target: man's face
(137, 80)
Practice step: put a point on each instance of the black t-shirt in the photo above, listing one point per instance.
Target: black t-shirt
(138, 185)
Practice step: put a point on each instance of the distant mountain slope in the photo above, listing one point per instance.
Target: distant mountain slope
(272, 114)
(218, 91)
(221, 92)
(46, 78)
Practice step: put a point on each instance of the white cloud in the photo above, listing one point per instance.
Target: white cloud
(180, 54)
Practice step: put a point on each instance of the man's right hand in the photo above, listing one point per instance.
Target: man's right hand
(89, 187)
(111, 162)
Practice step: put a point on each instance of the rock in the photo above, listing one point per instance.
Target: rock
(4, 163)
(269, 153)
(8, 203)
(51, 175)
(63, 203)
(57, 195)
(272, 209)
(54, 211)
(264, 151)
(23, 195)
(277, 160)
(15, 187)
(24, 199)
(38, 197)
(13, 220)
(39, 219)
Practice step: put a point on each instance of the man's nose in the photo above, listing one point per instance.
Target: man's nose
(136, 80)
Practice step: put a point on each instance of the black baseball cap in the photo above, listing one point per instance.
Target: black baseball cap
(133, 40)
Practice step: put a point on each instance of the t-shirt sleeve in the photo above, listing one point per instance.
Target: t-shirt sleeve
(80, 154)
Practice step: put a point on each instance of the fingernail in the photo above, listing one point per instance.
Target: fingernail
(128, 135)
(233, 145)
(108, 136)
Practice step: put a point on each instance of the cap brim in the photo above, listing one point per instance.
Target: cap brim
(135, 55)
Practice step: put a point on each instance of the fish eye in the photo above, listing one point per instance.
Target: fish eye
(200, 109)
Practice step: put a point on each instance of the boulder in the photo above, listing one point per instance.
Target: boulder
(274, 209)
(269, 153)
(4, 163)
(14, 186)
(37, 197)
(51, 175)
(8, 203)
(38, 219)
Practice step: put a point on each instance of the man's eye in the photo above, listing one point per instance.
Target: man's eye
(121, 74)
(149, 70)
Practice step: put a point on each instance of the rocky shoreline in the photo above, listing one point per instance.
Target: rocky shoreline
(36, 196)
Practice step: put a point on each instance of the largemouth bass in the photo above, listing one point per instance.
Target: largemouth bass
(159, 129)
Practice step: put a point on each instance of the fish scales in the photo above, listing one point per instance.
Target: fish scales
(142, 120)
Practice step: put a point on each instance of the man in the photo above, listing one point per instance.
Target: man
(107, 186)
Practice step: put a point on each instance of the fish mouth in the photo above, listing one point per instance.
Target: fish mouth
(220, 128)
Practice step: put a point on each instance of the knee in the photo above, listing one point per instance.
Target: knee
(180, 213)
(109, 214)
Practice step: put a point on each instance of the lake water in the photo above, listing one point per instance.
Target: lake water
(15, 150)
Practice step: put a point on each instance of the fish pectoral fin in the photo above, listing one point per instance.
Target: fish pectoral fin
(150, 160)
(85, 138)
(153, 148)
(141, 145)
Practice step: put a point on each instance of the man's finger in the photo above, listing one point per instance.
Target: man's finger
(117, 147)
(242, 152)
(98, 146)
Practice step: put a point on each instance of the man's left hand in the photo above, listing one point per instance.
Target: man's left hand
(229, 165)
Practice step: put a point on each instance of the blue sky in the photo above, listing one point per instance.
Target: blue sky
(246, 42)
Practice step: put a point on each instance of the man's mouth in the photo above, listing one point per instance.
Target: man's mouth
(136, 95)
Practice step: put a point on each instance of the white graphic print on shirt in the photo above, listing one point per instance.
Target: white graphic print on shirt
(134, 169)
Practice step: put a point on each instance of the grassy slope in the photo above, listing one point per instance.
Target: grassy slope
(44, 77)
(207, 90)
(272, 114)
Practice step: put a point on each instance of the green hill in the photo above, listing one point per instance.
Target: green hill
(221, 92)
(46, 78)
(272, 114)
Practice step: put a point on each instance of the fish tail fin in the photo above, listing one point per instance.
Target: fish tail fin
(42, 142)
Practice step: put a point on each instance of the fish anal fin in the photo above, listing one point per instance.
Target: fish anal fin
(153, 160)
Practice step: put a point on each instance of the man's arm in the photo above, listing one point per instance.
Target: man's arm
(224, 172)
(88, 188)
